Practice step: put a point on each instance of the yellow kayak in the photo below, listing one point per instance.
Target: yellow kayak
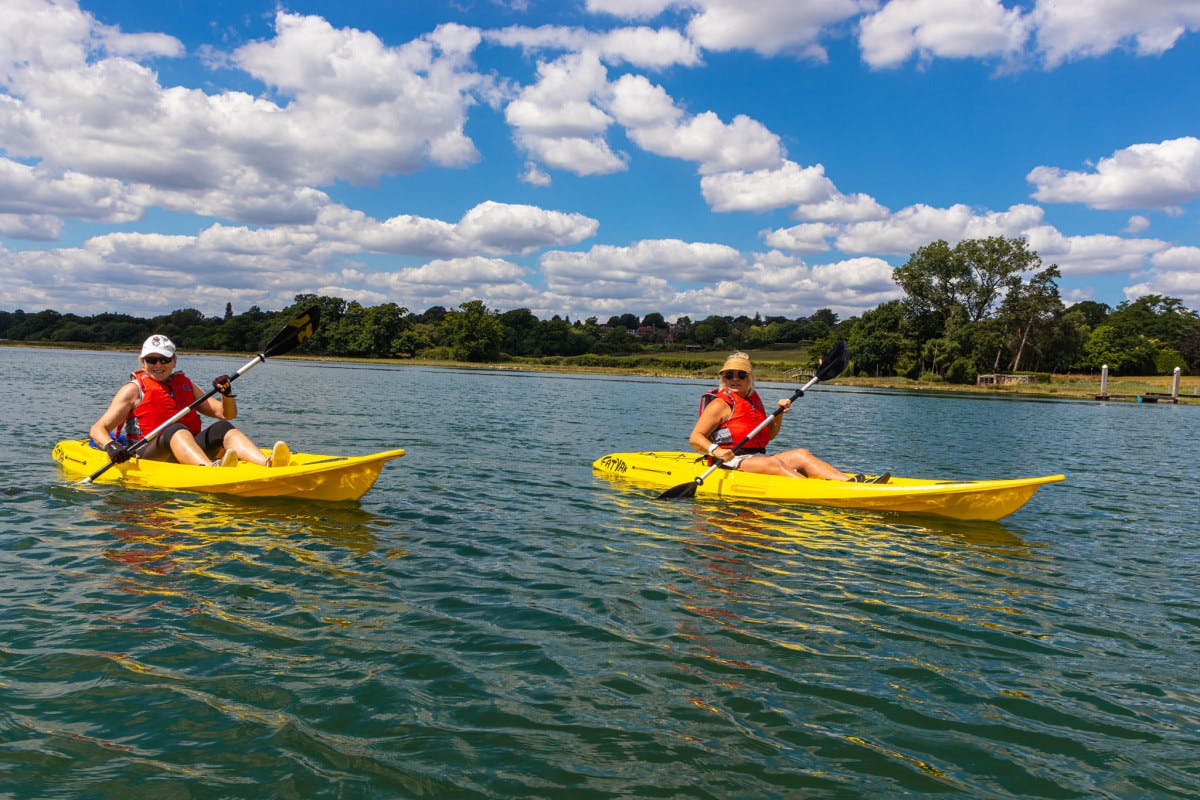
(308, 475)
(982, 500)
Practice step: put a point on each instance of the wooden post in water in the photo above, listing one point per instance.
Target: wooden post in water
(1175, 385)
(1104, 382)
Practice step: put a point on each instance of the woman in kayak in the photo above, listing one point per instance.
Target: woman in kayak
(154, 394)
(731, 411)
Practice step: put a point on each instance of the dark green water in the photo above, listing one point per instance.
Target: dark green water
(495, 621)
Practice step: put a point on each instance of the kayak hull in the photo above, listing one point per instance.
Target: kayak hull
(968, 500)
(309, 475)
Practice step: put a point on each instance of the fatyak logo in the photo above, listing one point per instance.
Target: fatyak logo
(611, 464)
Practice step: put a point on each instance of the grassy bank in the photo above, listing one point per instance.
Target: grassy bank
(778, 366)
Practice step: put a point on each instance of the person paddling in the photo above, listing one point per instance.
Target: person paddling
(153, 395)
(732, 410)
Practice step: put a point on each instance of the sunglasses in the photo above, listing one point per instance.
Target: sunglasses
(155, 360)
(734, 373)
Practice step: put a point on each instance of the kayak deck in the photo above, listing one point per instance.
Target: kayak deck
(968, 500)
(309, 475)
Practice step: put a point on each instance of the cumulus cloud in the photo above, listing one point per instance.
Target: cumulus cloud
(1098, 254)
(355, 110)
(938, 28)
(640, 46)
(490, 228)
(1161, 175)
(660, 258)
(558, 121)
(770, 26)
(779, 284)
(764, 189)
(810, 237)
(915, 226)
(1072, 29)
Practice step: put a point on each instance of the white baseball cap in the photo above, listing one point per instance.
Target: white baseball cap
(159, 345)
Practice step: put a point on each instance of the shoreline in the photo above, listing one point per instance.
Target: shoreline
(1134, 389)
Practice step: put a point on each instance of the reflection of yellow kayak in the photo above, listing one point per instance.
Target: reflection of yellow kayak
(309, 475)
(984, 500)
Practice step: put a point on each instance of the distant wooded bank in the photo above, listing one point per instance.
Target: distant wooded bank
(982, 306)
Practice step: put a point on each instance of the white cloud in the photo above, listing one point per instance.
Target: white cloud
(558, 121)
(641, 46)
(358, 110)
(1159, 175)
(1137, 224)
(742, 144)
(842, 208)
(777, 284)
(656, 124)
(629, 9)
(489, 228)
(1072, 29)
(659, 258)
(941, 28)
(40, 190)
(764, 189)
(1098, 254)
(35, 227)
(770, 26)
(810, 237)
(915, 226)
(472, 271)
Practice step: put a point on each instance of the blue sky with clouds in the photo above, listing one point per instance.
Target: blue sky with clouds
(588, 158)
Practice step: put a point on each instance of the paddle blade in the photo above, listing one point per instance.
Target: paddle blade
(834, 362)
(295, 333)
(682, 490)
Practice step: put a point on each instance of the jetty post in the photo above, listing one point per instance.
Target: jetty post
(1104, 381)
(1175, 385)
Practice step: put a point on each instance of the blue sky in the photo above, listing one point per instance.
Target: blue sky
(588, 158)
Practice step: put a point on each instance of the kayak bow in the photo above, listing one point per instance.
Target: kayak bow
(979, 500)
(308, 475)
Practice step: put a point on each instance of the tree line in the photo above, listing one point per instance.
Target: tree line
(981, 306)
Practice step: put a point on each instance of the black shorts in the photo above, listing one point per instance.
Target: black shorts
(211, 440)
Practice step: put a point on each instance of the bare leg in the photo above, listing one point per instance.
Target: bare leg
(240, 443)
(186, 451)
(794, 463)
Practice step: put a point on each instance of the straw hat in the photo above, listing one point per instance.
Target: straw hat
(737, 361)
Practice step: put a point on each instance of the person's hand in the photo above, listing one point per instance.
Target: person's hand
(784, 405)
(722, 454)
(222, 384)
(117, 452)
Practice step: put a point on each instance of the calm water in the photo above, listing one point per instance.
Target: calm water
(495, 621)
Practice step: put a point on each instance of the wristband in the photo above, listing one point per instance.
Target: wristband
(712, 448)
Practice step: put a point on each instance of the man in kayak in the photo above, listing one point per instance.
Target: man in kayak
(154, 394)
(734, 409)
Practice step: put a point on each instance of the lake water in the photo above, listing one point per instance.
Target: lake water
(493, 620)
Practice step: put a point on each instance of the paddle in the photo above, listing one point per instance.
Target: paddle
(295, 332)
(830, 367)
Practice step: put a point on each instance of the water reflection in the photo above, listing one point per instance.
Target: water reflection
(202, 535)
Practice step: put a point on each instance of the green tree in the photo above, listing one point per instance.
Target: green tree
(1124, 352)
(472, 333)
(876, 340)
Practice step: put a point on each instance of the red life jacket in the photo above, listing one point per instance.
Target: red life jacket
(159, 402)
(748, 412)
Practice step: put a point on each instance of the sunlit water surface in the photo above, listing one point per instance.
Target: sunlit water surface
(493, 620)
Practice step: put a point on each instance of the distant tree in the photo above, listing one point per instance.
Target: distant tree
(1189, 348)
(654, 319)
(826, 317)
(473, 333)
(1093, 313)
